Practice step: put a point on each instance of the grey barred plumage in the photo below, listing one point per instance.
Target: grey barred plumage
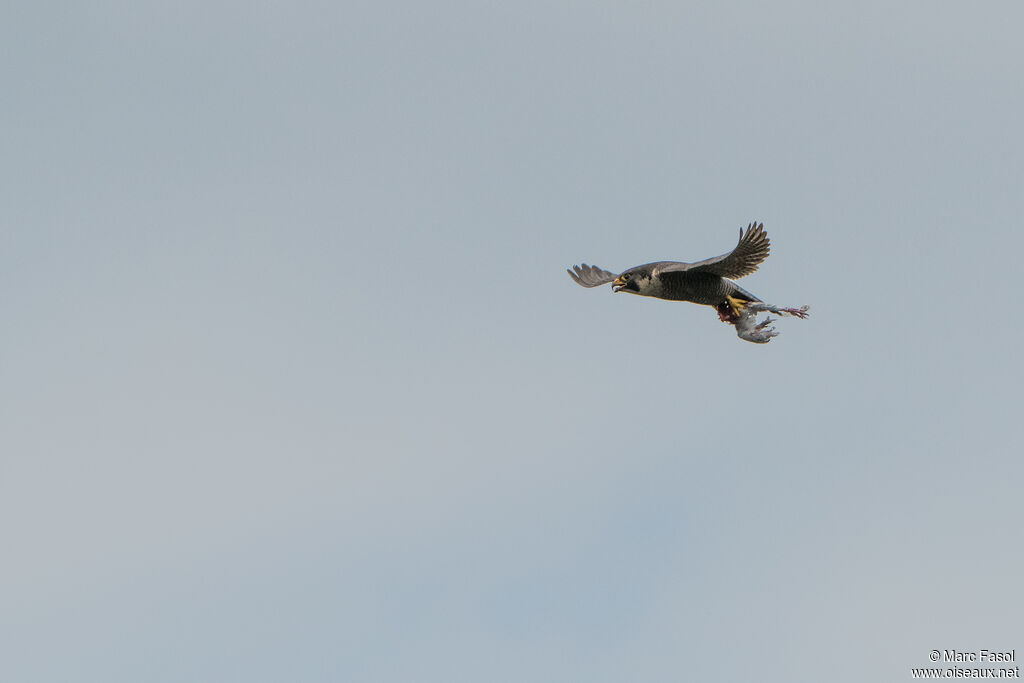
(704, 282)
(708, 282)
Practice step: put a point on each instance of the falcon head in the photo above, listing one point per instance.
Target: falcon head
(639, 280)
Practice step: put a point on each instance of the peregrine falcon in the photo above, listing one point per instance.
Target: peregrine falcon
(708, 282)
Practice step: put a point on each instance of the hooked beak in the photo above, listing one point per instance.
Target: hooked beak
(618, 283)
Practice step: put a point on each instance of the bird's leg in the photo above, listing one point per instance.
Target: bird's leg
(735, 305)
(796, 312)
(759, 307)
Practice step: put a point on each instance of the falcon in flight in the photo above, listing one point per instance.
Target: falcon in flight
(708, 282)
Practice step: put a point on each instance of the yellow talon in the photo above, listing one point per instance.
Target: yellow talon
(735, 304)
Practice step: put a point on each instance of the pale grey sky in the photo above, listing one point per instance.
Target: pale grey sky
(295, 386)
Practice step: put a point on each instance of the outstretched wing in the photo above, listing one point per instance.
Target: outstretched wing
(752, 249)
(590, 276)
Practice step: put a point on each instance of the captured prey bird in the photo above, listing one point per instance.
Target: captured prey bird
(708, 282)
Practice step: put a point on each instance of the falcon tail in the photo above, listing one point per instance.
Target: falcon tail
(743, 295)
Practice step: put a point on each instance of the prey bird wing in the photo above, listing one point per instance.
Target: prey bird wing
(750, 251)
(590, 276)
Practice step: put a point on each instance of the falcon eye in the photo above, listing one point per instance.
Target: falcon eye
(625, 276)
